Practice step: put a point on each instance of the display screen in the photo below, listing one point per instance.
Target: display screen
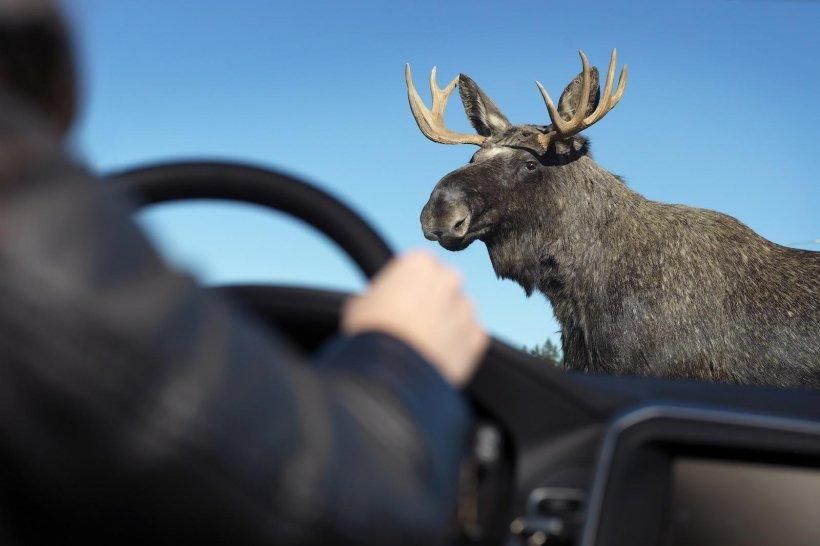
(727, 503)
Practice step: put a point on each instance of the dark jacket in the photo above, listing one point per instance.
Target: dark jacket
(136, 407)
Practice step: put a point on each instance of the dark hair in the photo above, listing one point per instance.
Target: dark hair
(36, 60)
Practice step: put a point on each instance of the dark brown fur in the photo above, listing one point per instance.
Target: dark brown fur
(638, 286)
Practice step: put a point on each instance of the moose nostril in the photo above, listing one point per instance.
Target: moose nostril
(461, 225)
(438, 233)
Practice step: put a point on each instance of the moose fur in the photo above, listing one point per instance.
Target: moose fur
(638, 286)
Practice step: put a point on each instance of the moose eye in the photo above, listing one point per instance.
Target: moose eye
(530, 165)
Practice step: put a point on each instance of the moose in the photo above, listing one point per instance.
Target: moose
(638, 287)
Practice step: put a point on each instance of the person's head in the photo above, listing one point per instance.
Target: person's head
(36, 60)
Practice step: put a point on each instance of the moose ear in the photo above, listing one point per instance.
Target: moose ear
(485, 116)
(571, 96)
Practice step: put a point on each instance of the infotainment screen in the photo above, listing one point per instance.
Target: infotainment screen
(727, 503)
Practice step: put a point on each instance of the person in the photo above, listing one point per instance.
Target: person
(135, 407)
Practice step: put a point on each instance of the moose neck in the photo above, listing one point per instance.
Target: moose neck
(567, 251)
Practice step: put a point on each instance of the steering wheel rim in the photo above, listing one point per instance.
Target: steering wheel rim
(167, 182)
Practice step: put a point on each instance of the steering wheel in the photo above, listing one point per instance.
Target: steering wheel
(306, 316)
(234, 182)
(510, 387)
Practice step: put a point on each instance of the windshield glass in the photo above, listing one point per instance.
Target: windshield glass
(720, 112)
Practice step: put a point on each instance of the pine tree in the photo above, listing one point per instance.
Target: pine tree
(547, 351)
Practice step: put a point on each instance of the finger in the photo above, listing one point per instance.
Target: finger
(420, 259)
(446, 286)
(482, 342)
(464, 310)
(409, 270)
(350, 304)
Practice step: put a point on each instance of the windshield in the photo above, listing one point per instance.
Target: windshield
(720, 112)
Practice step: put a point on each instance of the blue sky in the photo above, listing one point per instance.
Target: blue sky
(721, 111)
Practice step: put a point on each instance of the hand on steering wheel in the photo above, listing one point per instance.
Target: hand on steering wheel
(420, 301)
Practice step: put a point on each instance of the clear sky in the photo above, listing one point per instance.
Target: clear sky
(721, 111)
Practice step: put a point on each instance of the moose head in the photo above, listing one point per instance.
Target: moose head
(515, 179)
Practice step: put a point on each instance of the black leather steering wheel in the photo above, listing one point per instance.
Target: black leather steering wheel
(234, 182)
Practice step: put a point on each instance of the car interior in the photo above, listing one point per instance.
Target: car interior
(560, 457)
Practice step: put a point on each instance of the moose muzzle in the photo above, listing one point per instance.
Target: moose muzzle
(446, 217)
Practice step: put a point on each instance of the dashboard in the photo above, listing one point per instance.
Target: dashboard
(684, 475)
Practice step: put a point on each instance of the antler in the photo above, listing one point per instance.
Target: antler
(431, 122)
(565, 128)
